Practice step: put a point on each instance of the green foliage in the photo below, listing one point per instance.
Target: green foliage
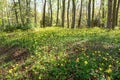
(60, 54)
(27, 26)
(47, 21)
(11, 28)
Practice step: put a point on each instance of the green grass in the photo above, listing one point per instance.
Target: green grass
(62, 54)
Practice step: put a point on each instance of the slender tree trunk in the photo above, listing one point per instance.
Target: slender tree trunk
(68, 7)
(73, 14)
(114, 14)
(16, 13)
(93, 10)
(103, 13)
(109, 18)
(51, 17)
(63, 12)
(8, 15)
(44, 8)
(8, 18)
(49, 14)
(3, 25)
(117, 10)
(89, 14)
(35, 14)
(80, 15)
(21, 16)
(86, 11)
(57, 19)
(28, 11)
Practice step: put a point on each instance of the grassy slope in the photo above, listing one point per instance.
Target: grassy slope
(57, 53)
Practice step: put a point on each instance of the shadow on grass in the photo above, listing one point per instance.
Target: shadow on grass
(13, 53)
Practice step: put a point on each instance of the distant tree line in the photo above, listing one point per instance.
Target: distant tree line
(15, 14)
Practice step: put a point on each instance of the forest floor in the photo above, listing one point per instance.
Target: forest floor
(60, 54)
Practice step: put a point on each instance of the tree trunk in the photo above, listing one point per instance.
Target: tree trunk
(35, 14)
(103, 13)
(57, 19)
(28, 11)
(44, 8)
(117, 10)
(16, 13)
(68, 13)
(63, 12)
(114, 14)
(51, 17)
(93, 10)
(8, 15)
(3, 25)
(80, 15)
(109, 18)
(73, 14)
(86, 11)
(89, 14)
(21, 16)
(8, 18)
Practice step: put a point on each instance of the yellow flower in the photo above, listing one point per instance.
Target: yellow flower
(16, 64)
(82, 49)
(95, 51)
(107, 53)
(100, 69)
(77, 60)
(105, 58)
(110, 66)
(14, 68)
(40, 77)
(26, 67)
(108, 78)
(10, 71)
(102, 64)
(99, 55)
(15, 74)
(119, 49)
(109, 70)
(117, 62)
(98, 51)
(110, 57)
(62, 65)
(85, 62)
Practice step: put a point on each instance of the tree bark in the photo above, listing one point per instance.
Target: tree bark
(8, 18)
(57, 19)
(89, 14)
(28, 11)
(114, 14)
(16, 13)
(93, 10)
(103, 13)
(68, 7)
(3, 19)
(109, 18)
(80, 15)
(51, 17)
(35, 14)
(63, 12)
(21, 16)
(73, 14)
(117, 10)
(44, 8)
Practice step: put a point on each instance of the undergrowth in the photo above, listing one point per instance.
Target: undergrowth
(63, 54)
